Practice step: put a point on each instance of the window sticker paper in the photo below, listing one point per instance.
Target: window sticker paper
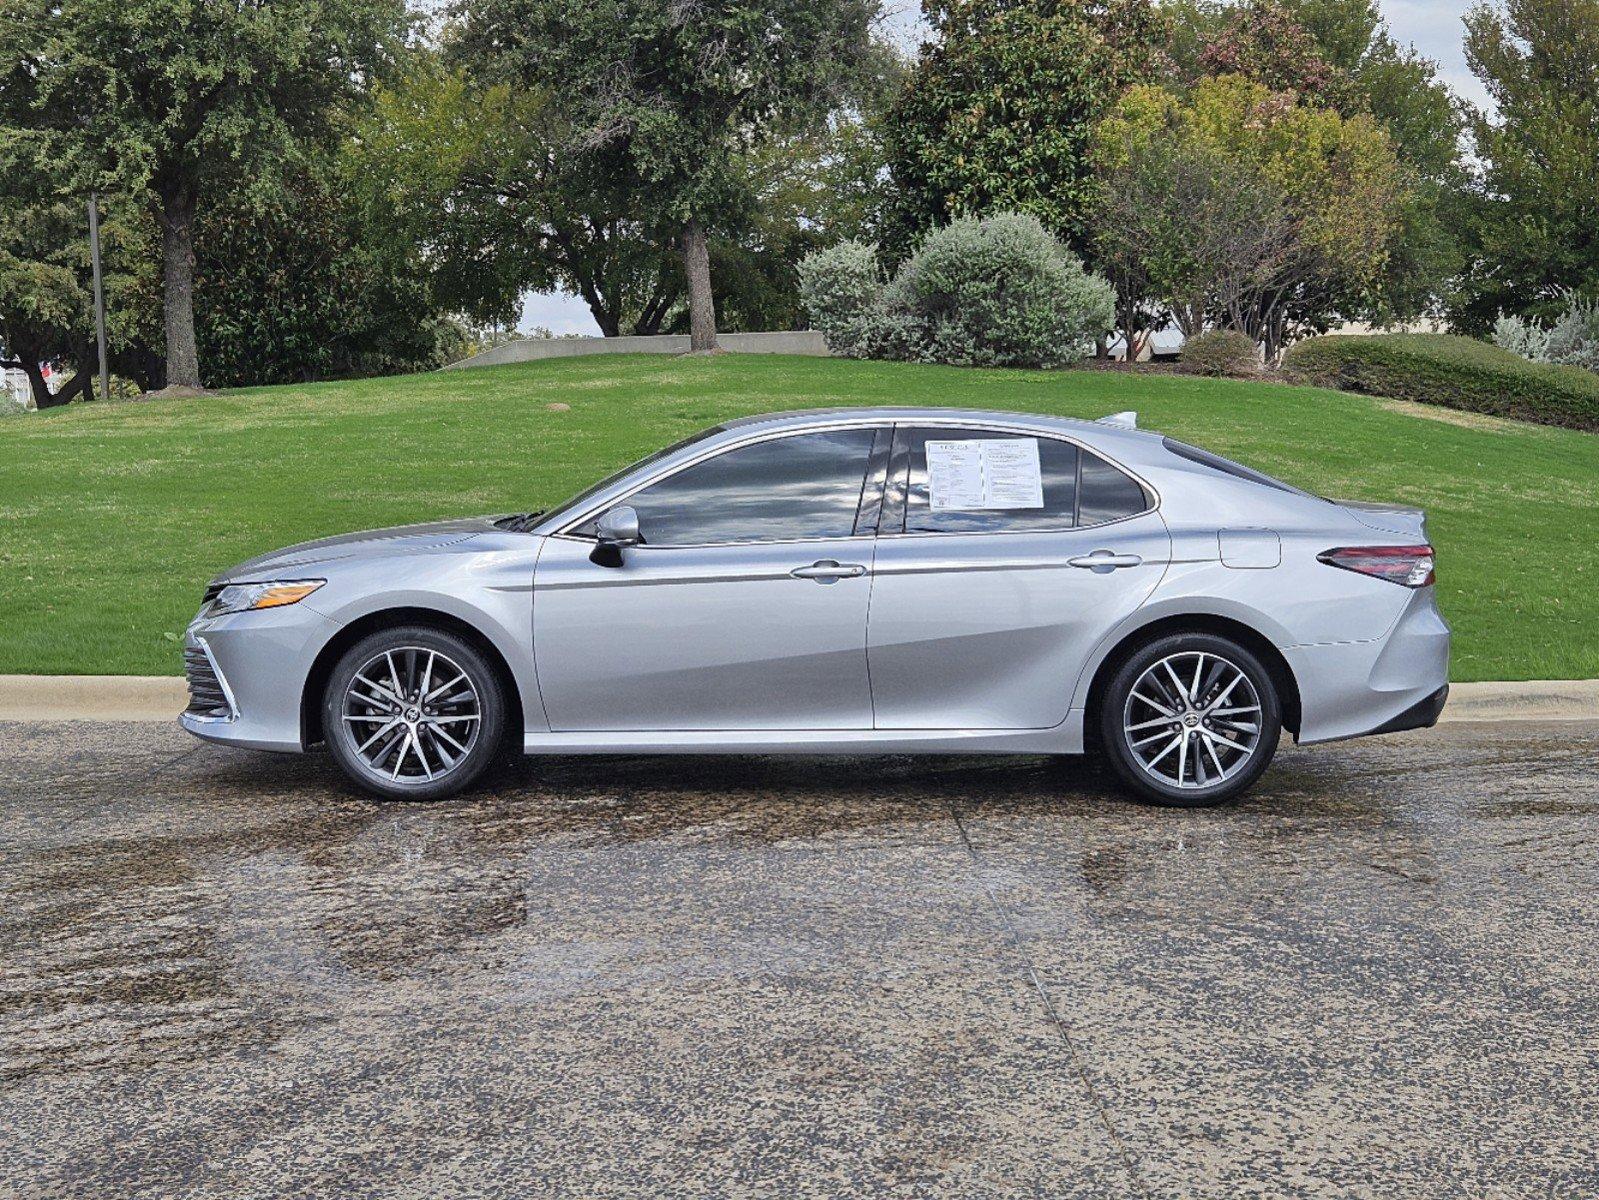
(984, 474)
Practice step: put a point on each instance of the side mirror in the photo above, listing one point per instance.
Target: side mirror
(616, 529)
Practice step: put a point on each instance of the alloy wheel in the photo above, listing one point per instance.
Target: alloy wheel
(1192, 720)
(412, 714)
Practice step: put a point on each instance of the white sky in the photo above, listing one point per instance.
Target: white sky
(1432, 26)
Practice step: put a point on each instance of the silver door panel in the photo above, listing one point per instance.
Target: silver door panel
(705, 638)
(990, 630)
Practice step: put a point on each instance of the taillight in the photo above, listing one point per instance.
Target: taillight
(1408, 566)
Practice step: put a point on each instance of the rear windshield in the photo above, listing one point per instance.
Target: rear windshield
(1227, 467)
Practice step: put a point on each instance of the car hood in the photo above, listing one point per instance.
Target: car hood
(367, 544)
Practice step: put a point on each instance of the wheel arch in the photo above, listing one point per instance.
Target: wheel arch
(1282, 675)
(389, 618)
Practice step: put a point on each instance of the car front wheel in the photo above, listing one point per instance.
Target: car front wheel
(1190, 719)
(413, 713)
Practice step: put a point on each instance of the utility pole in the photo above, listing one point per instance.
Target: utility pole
(99, 293)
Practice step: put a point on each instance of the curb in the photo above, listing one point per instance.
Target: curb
(161, 698)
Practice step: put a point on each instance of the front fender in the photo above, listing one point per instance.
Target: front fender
(490, 592)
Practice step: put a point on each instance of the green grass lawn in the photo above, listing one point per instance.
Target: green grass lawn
(116, 515)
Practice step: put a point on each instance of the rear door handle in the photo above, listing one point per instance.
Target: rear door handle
(827, 570)
(1104, 561)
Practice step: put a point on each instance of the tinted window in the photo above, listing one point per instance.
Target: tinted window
(926, 512)
(593, 489)
(801, 487)
(1105, 493)
(1226, 466)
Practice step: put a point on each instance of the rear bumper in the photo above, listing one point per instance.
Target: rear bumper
(1398, 681)
(1421, 715)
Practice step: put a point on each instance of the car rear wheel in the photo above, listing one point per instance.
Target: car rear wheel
(413, 713)
(1190, 719)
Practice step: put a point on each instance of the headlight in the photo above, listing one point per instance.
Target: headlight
(242, 597)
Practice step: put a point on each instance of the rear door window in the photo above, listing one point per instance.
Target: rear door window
(960, 480)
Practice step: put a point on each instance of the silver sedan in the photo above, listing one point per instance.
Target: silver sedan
(841, 582)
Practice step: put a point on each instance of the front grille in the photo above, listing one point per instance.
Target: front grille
(206, 697)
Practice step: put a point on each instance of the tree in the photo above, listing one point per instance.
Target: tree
(999, 111)
(494, 186)
(1190, 234)
(188, 98)
(1535, 217)
(1338, 183)
(1338, 54)
(664, 94)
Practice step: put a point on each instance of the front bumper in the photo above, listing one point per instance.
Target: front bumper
(260, 661)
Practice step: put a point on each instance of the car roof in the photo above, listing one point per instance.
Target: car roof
(805, 417)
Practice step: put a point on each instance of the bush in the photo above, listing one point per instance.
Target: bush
(1456, 372)
(1574, 340)
(997, 292)
(842, 290)
(1521, 337)
(1220, 352)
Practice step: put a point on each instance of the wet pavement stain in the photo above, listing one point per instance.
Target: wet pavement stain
(226, 974)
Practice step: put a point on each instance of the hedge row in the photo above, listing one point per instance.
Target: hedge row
(1456, 372)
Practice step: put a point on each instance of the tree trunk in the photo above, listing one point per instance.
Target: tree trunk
(42, 396)
(177, 252)
(701, 305)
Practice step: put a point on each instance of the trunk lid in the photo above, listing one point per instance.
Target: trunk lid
(1400, 519)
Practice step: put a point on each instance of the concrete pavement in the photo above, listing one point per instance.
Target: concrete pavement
(225, 975)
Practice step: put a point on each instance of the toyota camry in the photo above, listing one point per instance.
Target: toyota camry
(846, 582)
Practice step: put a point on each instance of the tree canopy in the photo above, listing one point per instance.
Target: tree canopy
(175, 96)
(999, 111)
(664, 94)
(1535, 219)
(1336, 179)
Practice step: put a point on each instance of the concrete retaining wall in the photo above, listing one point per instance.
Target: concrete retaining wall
(802, 341)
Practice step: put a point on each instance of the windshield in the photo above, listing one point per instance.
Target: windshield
(560, 511)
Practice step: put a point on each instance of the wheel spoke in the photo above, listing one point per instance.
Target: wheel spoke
(1210, 745)
(427, 674)
(444, 689)
(1158, 707)
(1225, 741)
(380, 689)
(1166, 720)
(394, 674)
(1172, 745)
(1227, 691)
(361, 749)
(1177, 684)
(437, 732)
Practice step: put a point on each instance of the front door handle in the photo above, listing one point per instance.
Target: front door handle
(1105, 561)
(827, 570)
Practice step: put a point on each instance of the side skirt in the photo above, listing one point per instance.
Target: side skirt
(1065, 738)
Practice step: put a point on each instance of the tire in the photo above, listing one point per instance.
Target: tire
(1166, 748)
(417, 750)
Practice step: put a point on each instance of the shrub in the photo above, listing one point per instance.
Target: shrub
(842, 290)
(1220, 352)
(1521, 337)
(995, 292)
(1456, 372)
(1574, 340)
